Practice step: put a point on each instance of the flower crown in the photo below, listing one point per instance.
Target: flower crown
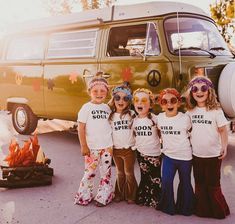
(147, 91)
(98, 81)
(200, 80)
(172, 91)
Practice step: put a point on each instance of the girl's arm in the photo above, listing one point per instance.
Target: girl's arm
(82, 137)
(224, 140)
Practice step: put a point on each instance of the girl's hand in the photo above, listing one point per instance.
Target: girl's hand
(85, 151)
(223, 154)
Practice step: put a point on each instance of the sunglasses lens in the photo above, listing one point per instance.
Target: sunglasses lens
(136, 99)
(141, 100)
(144, 100)
(204, 88)
(173, 100)
(194, 89)
(163, 101)
(116, 97)
(126, 98)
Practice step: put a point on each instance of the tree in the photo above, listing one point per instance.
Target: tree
(57, 7)
(223, 14)
(95, 4)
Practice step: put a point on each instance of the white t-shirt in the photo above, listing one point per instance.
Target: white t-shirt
(205, 137)
(174, 133)
(122, 132)
(98, 128)
(146, 138)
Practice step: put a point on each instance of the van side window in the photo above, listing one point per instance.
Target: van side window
(131, 41)
(152, 43)
(30, 47)
(72, 44)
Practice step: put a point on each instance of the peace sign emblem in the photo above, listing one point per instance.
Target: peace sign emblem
(18, 78)
(154, 78)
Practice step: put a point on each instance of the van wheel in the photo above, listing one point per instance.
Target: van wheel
(226, 90)
(23, 119)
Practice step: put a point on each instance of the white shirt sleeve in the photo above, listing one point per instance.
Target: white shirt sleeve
(220, 118)
(188, 121)
(83, 114)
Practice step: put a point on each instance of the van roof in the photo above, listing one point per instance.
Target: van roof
(108, 14)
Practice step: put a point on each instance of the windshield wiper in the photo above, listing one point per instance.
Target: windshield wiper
(222, 49)
(217, 49)
(197, 49)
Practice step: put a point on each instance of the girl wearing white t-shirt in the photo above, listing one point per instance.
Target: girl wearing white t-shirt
(209, 140)
(121, 119)
(95, 135)
(174, 127)
(148, 146)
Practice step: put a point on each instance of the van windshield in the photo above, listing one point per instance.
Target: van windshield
(194, 36)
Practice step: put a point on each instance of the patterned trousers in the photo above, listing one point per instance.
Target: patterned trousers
(104, 194)
(149, 190)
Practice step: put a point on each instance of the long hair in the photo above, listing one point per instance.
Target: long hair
(111, 103)
(211, 101)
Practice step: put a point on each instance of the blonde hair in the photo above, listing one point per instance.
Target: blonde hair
(211, 101)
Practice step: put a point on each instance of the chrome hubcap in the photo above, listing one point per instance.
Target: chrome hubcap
(21, 118)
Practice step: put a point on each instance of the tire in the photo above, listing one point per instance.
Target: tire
(226, 89)
(23, 119)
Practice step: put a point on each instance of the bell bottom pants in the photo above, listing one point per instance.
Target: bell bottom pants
(210, 201)
(126, 184)
(185, 197)
(104, 194)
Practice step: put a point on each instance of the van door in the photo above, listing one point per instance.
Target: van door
(71, 56)
(134, 54)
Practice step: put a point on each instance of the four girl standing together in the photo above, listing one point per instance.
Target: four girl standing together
(163, 144)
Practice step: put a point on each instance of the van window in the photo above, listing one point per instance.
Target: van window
(152, 43)
(206, 37)
(72, 44)
(24, 48)
(131, 40)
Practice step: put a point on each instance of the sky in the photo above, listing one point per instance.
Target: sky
(12, 11)
(20, 10)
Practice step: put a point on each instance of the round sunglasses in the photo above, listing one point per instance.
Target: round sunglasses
(172, 100)
(143, 100)
(195, 89)
(116, 97)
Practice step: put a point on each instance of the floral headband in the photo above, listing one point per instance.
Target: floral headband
(123, 90)
(200, 80)
(98, 81)
(172, 91)
(147, 91)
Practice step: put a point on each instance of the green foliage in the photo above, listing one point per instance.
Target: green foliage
(58, 7)
(223, 13)
(96, 4)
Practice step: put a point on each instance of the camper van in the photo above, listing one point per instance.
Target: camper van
(46, 64)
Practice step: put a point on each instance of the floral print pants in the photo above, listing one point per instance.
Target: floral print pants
(104, 195)
(149, 190)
